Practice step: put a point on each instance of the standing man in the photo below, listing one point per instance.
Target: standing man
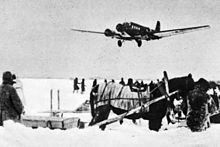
(75, 85)
(10, 104)
(94, 83)
(122, 82)
(83, 86)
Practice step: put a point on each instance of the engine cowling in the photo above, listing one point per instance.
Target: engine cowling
(109, 32)
(119, 28)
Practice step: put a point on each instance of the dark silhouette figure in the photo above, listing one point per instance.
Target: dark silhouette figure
(142, 83)
(83, 86)
(122, 82)
(105, 81)
(199, 107)
(94, 83)
(75, 85)
(10, 104)
(130, 82)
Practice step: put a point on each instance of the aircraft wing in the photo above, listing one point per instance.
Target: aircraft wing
(107, 33)
(168, 33)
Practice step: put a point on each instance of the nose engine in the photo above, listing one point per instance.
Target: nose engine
(119, 28)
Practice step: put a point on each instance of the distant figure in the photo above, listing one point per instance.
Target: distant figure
(105, 81)
(10, 104)
(122, 82)
(151, 84)
(83, 86)
(94, 83)
(113, 81)
(75, 85)
(130, 82)
(142, 83)
(17, 84)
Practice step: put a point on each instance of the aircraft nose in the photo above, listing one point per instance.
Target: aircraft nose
(108, 32)
(119, 27)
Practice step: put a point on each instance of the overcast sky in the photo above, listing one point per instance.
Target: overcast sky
(36, 40)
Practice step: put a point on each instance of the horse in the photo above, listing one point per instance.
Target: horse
(119, 98)
(107, 97)
(160, 109)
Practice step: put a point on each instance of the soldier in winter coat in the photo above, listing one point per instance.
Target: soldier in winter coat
(83, 86)
(122, 82)
(75, 85)
(11, 106)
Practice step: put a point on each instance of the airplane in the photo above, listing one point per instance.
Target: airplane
(129, 31)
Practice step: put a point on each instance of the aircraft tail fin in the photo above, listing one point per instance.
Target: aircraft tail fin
(157, 26)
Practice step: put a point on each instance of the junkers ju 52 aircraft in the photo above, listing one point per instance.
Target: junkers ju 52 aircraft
(129, 31)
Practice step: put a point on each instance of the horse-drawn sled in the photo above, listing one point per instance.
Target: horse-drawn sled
(149, 103)
(154, 102)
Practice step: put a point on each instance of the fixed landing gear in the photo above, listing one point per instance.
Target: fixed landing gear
(119, 43)
(139, 43)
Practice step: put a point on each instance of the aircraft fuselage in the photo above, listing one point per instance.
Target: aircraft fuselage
(132, 29)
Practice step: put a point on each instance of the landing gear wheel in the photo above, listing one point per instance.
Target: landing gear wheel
(139, 43)
(119, 43)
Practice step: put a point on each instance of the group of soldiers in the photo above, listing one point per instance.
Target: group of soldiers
(76, 87)
(11, 106)
(122, 82)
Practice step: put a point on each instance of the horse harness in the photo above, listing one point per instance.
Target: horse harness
(139, 93)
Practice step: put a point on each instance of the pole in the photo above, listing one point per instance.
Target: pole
(51, 100)
(58, 99)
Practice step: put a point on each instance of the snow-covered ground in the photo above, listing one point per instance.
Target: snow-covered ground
(37, 94)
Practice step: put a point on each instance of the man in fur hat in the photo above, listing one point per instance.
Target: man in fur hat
(200, 106)
(11, 106)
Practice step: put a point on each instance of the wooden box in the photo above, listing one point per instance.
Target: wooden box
(50, 122)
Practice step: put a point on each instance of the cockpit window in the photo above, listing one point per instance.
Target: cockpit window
(127, 24)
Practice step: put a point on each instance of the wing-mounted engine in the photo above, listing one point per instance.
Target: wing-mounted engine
(113, 34)
(109, 33)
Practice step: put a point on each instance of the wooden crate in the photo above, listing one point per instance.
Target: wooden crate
(50, 122)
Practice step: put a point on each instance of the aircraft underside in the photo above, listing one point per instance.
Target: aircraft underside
(120, 42)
